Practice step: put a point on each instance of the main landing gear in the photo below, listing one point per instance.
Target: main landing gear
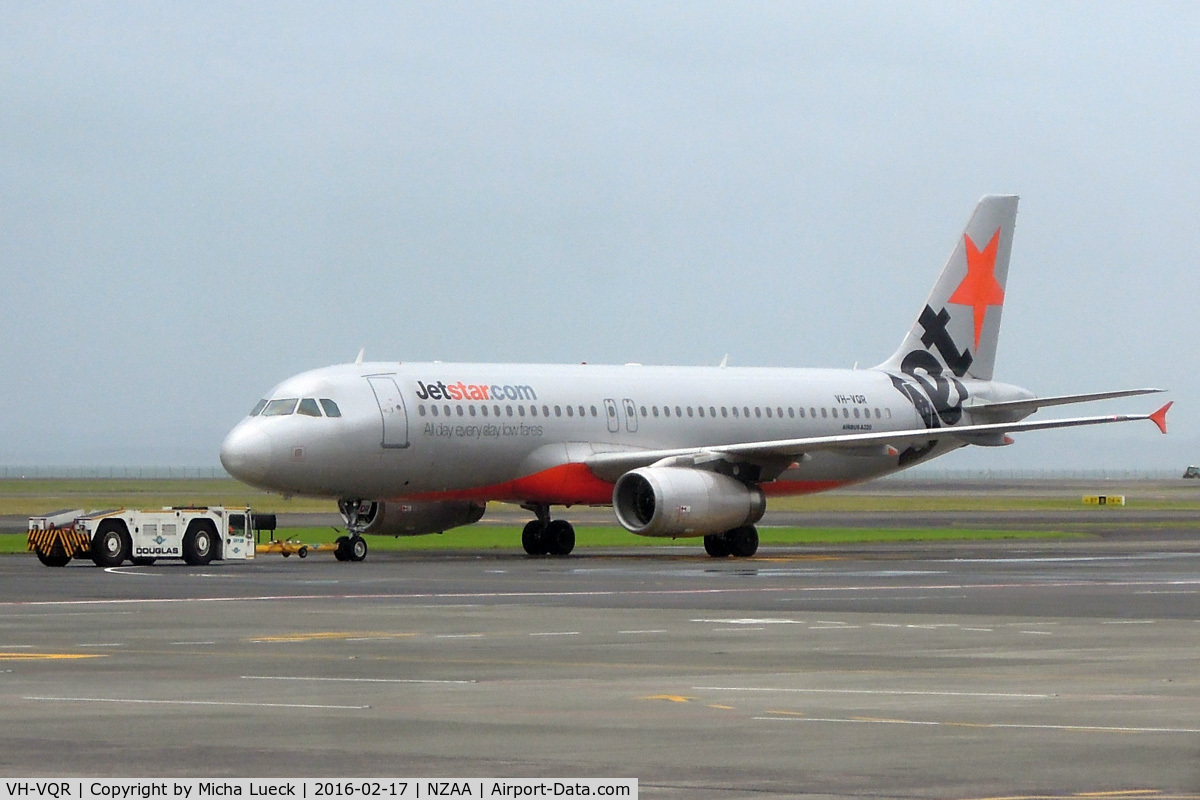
(740, 542)
(544, 536)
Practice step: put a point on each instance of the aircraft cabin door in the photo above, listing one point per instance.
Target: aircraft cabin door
(631, 415)
(391, 409)
(610, 413)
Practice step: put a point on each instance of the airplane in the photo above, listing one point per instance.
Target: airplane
(417, 448)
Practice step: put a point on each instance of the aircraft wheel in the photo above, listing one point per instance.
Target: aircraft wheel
(534, 538)
(716, 545)
(110, 546)
(356, 548)
(342, 552)
(57, 557)
(559, 538)
(743, 542)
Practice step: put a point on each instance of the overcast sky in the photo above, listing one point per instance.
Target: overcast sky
(200, 200)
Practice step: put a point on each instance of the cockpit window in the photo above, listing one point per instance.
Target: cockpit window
(308, 407)
(331, 408)
(280, 408)
(258, 408)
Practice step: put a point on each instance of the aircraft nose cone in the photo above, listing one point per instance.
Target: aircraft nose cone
(246, 454)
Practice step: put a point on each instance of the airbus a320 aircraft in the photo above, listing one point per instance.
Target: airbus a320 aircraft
(414, 448)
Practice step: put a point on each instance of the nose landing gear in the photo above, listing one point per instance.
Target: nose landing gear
(358, 514)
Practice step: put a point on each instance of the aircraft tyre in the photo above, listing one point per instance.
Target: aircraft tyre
(199, 544)
(110, 546)
(716, 545)
(57, 557)
(533, 538)
(743, 541)
(356, 549)
(559, 538)
(341, 552)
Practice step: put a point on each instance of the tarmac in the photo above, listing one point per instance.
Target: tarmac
(1043, 668)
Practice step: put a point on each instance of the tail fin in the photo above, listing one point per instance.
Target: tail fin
(960, 324)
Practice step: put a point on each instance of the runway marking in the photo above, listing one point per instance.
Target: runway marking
(136, 701)
(985, 725)
(483, 596)
(1156, 794)
(191, 643)
(350, 680)
(330, 635)
(674, 698)
(46, 656)
(1128, 622)
(556, 633)
(1038, 633)
(459, 636)
(100, 644)
(899, 692)
(751, 621)
(654, 630)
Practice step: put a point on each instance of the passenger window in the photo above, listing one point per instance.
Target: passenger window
(460, 410)
(746, 412)
(801, 413)
(570, 411)
(280, 408)
(845, 413)
(856, 412)
(678, 411)
(735, 412)
(331, 408)
(309, 408)
(654, 410)
(471, 410)
(496, 409)
(558, 411)
(483, 410)
(666, 411)
(258, 408)
(724, 411)
(700, 411)
(434, 410)
(508, 410)
(768, 412)
(644, 414)
(594, 411)
(779, 412)
(521, 411)
(887, 412)
(758, 412)
(813, 412)
(824, 413)
(791, 413)
(689, 410)
(545, 411)
(421, 409)
(581, 411)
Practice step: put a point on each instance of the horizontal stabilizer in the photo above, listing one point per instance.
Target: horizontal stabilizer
(1029, 406)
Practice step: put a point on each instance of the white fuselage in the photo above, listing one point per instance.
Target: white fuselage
(520, 432)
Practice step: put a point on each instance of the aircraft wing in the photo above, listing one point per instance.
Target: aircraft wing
(614, 464)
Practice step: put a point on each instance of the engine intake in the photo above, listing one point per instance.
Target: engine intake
(682, 501)
(392, 518)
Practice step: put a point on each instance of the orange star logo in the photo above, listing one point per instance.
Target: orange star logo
(980, 288)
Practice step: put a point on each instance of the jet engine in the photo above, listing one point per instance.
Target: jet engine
(392, 518)
(683, 501)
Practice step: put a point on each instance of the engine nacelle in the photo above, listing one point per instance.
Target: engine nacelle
(393, 518)
(681, 501)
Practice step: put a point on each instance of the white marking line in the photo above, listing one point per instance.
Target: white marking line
(348, 680)
(655, 630)
(756, 590)
(901, 692)
(189, 703)
(100, 644)
(739, 630)
(981, 630)
(188, 643)
(997, 725)
(1038, 633)
(1127, 622)
(16, 647)
(556, 633)
(756, 621)
(459, 636)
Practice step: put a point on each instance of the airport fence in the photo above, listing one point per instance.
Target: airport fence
(112, 472)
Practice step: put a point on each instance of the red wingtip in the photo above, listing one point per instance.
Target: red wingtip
(1159, 417)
